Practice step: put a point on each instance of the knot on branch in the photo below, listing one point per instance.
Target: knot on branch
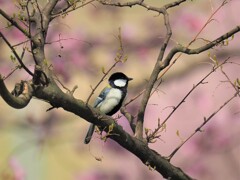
(19, 97)
(40, 78)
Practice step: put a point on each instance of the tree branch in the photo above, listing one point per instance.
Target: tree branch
(149, 157)
(175, 60)
(42, 19)
(15, 23)
(67, 10)
(45, 87)
(22, 94)
(160, 126)
(119, 58)
(141, 3)
(49, 7)
(205, 121)
(200, 49)
(16, 55)
(129, 117)
(153, 78)
(157, 67)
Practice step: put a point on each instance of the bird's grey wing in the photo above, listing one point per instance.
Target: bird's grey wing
(101, 96)
(98, 101)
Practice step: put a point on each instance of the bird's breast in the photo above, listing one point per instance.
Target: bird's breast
(113, 98)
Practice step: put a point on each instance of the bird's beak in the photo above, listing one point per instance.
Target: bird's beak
(129, 79)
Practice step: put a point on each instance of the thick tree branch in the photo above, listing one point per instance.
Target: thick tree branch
(153, 78)
(141, 3)
(42, 18)
(22, 95)
(149, 157)
(200, 49)
(45, 87)
(49, 7)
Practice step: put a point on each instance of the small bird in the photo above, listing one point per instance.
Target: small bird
(111, 98)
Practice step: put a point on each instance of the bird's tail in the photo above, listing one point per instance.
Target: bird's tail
(89, 134)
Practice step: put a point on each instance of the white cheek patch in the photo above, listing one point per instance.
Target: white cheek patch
(120, 82)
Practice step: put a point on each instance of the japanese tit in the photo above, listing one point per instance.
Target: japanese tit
(111, 98)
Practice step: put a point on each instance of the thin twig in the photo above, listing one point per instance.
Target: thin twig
(119, 58)
(16, 55)
(229, 80)
(66, 39)
(14, 23)
(64, 87)
(186, 96)
(5, 77)
(17, 67)
(100, 81)
(134, 98)
(66, 10)
(195, 86)
(205, 121)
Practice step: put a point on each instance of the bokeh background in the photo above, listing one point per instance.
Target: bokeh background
(40, 145)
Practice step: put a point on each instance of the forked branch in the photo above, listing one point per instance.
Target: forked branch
(153, 78)
(201, 49)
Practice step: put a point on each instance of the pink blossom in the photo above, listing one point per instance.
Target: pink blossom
(17, 169)
(193, 23)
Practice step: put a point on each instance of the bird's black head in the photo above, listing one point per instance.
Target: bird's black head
(119, 80)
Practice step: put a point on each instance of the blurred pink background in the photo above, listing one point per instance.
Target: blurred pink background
(39, 145)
